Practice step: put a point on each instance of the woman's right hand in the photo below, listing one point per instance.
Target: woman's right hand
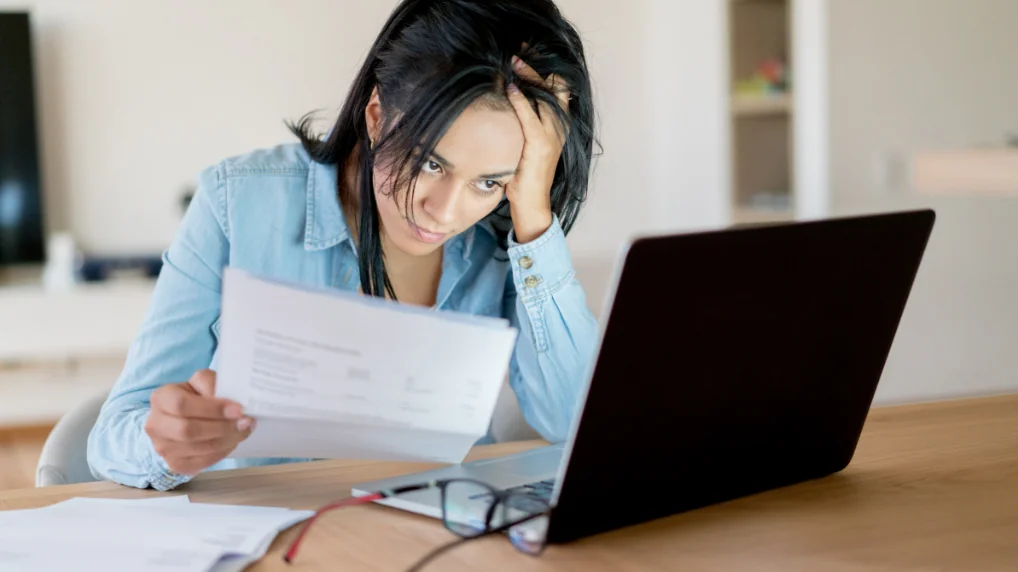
(190, 428)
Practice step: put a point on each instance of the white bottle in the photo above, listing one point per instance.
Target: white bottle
(62, 261)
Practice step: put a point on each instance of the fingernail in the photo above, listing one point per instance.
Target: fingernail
(234, 412)
(517, 62)
(512, 88)
(245, 424)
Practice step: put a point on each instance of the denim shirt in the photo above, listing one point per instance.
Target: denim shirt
(276, 213)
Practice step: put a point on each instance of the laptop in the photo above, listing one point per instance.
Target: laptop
(731, 362)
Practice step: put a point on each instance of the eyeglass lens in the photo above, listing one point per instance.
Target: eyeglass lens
(467, 507)
(469, 510)
(530, 534)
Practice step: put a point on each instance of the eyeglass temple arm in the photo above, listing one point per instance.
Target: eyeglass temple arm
(353, 501)
(295, 545)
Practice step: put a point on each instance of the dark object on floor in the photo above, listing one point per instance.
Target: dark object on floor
(97, 269)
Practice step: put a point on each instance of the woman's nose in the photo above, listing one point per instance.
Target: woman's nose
(440, 204)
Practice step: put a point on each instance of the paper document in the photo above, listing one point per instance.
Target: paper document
(331, 374)
(41, 557)
(166, 535)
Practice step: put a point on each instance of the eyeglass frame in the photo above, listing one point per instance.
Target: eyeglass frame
(499, 496)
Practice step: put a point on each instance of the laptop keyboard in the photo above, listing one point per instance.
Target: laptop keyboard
(540, 489)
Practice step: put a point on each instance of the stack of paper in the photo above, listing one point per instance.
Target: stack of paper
(165, 534)
(331, 374)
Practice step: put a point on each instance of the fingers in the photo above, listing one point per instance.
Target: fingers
(536, 128)
(551, 123)
(548, 119)
(184, 430)
(170, 450)
(183, 400)
(528, 117)
(554, 83)
(190, 428)
(524, 70)
(204, 382)
(191, 457)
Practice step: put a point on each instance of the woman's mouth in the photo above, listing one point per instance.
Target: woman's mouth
(426, 235)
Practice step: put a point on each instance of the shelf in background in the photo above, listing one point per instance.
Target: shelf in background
(755, 105)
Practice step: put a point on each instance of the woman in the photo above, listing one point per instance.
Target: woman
(459, 161)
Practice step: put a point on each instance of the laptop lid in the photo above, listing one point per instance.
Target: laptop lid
(733, 362)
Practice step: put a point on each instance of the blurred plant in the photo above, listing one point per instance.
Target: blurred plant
(771, 76)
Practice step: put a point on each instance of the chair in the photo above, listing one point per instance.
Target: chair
(63, 460)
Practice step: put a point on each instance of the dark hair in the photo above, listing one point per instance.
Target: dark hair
(434, 58)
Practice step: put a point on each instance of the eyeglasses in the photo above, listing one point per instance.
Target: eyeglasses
(471, 509)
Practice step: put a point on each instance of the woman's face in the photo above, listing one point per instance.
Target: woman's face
(459, 184)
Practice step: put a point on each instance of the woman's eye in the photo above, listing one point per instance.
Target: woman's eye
(489, 186)
(431, 167)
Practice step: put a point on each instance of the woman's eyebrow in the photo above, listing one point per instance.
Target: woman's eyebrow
(498, 175)
(444, 161)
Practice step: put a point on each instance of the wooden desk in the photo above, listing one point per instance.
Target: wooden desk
(932, 487)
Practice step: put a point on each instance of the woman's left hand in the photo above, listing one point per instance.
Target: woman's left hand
(529, 192)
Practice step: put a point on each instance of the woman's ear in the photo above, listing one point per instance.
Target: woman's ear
(373, 116)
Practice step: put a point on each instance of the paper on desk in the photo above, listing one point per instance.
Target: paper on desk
(9, 516)
(154, 501)
(231, 529)
(336, 375)
(40, 556)
(240, 562)
(159, 534)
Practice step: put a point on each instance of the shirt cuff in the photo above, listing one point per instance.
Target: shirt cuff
(160, 477)
(542, 266)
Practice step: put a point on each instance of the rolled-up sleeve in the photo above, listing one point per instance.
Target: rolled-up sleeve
(174, 342)
(558, 333)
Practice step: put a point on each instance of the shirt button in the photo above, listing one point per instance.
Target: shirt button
(526, 262)
(531, 281)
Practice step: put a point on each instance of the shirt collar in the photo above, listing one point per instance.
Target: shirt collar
(485, 226)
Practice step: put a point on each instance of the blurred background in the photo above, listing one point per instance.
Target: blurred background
(713, 113)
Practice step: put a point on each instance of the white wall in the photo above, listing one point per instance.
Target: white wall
(909, 75)
(661, 70)
(686, 131)
(926, 74)
(138, 95)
